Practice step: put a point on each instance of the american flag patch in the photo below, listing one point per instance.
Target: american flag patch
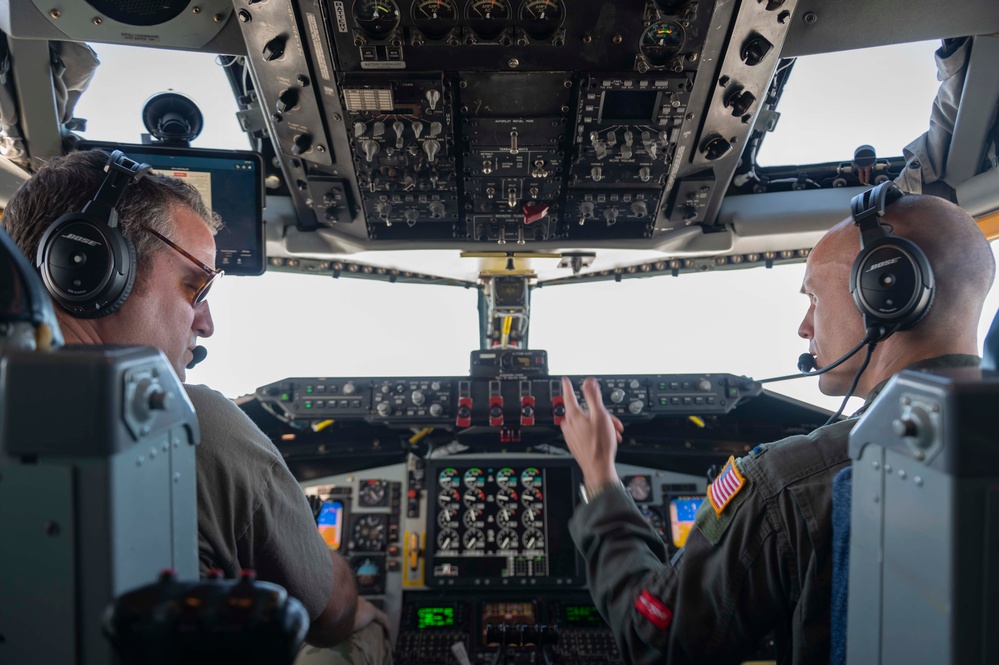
(727, 484)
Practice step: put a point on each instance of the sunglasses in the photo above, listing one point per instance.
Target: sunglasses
(213, 274)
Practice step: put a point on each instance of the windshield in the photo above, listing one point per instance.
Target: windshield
(740, 321)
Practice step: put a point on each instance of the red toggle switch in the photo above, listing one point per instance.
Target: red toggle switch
(464, 418)
(558, 409)
(526, 411)
(534, 212)
(496, 411)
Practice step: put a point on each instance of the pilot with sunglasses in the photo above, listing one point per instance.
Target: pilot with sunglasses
(252, 514)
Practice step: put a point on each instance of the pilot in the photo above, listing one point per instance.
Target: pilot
(252, 514)
(758, 560)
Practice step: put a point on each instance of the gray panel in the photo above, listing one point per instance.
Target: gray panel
(843, 25)
(866, 520)
(971, 127)
(36, 560)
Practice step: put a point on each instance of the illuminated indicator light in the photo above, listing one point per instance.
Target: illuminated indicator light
(309, 390)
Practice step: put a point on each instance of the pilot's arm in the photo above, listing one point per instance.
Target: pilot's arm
(716, 599)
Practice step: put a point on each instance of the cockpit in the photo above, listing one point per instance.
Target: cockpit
(434, 209)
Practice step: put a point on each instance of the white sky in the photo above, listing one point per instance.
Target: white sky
(743, 322)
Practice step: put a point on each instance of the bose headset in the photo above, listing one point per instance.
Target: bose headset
(87, 265)
(891, 280)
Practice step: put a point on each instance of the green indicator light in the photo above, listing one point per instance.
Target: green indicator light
(285, 397)
(308, 405)
(309, 390)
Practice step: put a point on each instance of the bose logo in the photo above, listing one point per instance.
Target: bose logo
(883, 264)
(85, 241)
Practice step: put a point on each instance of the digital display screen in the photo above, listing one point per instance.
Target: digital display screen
(682, 511)
(629, 106)
(581, 616)
(331, 523)
(230, 182)
(434, 617)
(500, 522)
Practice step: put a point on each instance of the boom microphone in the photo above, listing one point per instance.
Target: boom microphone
(806, 363)
(198, 354)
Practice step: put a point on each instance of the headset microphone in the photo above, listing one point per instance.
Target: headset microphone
(197, 355)
(806, 363)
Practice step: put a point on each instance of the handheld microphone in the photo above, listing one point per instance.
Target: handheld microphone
(198, 354)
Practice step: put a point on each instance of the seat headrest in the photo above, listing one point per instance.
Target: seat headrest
(24, 300)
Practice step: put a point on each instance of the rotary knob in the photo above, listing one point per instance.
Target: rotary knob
(384, 409)
(436, 410)
(418, 397)
(349, 388)
(274, 49)
(301, 143)
(617, 396)
(704, 385)
(636, 407)
(635, 384)
(288, 99)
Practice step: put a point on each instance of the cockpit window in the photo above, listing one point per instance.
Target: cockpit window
(834, 102)
(128, 76)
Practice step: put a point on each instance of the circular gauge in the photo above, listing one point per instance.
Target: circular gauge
(532, 517)
(448, 478)
(369, 573)
(448, 540)
(434, 18)
(541, 18)
(653, 517)
(661, 41)
(506, 539)
(448, 498)
(368, 534)
(506, 477)
(471, 518)
(506, 516)
(505, 497)
(473, 540)
(488, 18)
(372, 493)
(531, 477)
(534, 539)
(531, 498)
(474, 478)
(376, 18)
(473, 497)
(445, 519)
(639, 489)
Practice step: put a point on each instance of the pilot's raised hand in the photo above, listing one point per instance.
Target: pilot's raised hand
(592, 435)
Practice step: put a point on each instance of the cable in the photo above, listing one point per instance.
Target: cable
(853, 386)
(867, 340)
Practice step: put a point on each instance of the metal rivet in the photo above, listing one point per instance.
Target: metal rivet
(140, 460)
(876, 465)
(218, 18)
(320, 148)
(917, 480)
(97, 20)
(513, 63)
(166, 447)
(887, 468)
(196, 9)
(920, 455)
(55, 13)
(810, 18)
(901, 474)
(176, 477)
(152, 453)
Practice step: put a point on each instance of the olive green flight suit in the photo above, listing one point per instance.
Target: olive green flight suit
(763, 565)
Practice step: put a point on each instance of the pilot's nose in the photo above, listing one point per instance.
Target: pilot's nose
(805, 329)
(203, 324)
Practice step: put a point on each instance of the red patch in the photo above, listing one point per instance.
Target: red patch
(654, 610)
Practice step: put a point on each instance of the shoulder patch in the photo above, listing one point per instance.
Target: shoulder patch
(727, 484)
(712, 521)
(654, 610)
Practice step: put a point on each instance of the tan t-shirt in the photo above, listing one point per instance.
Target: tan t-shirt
(252, 514)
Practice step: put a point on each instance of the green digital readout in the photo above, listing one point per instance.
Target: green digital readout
(582, 615)
(434, 617)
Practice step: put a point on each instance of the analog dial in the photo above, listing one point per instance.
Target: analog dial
(473, 539)
(435, 18)
(376, 18)
(488, 18)
(541, 18)
(369, 533)
(448, 539)
(661, 41)
(506, 539)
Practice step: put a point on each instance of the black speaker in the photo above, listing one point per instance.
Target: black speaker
(87, 265)
(891, 280)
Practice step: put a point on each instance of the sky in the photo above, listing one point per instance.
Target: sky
(742, 322)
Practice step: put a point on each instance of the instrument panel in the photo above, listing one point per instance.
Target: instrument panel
(500, 523)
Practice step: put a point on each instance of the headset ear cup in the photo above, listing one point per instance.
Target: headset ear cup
(87, 266)
(892, 283)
